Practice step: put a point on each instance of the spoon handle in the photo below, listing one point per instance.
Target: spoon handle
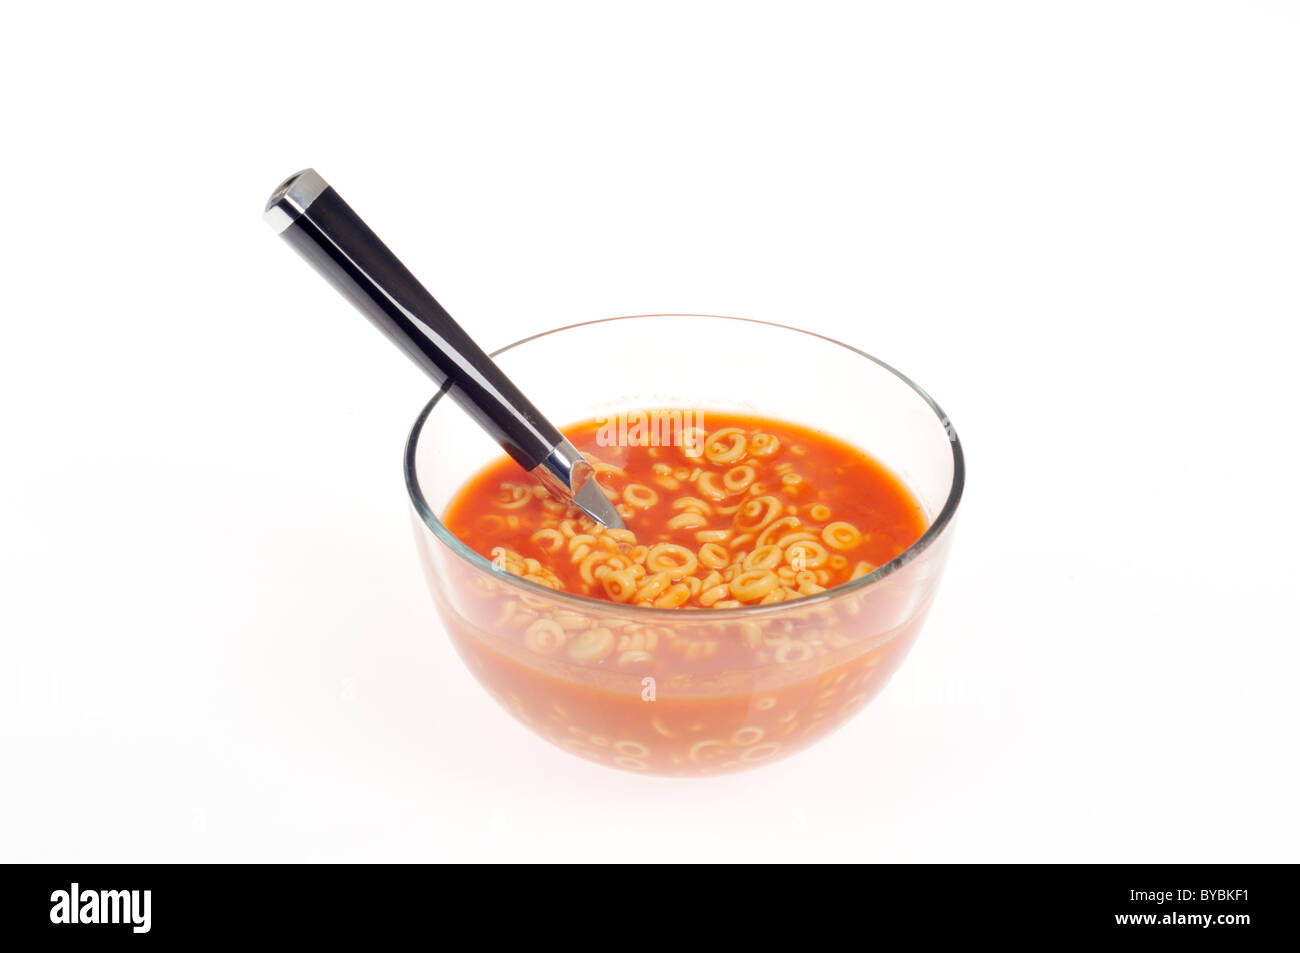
(315, 220)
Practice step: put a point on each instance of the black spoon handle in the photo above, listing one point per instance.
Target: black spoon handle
(323, 228)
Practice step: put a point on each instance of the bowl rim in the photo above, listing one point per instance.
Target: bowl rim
(586, 603)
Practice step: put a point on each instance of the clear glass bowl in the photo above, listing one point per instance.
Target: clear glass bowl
(709, 721)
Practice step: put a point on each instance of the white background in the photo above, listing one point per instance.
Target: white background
(1076, 224)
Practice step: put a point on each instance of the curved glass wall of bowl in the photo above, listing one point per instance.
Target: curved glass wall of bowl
(710, 721)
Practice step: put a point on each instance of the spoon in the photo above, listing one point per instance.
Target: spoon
(311, 217)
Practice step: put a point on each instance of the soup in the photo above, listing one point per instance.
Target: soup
(743, 511)
(722, 511)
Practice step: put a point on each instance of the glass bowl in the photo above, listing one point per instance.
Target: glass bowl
(707, 720)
